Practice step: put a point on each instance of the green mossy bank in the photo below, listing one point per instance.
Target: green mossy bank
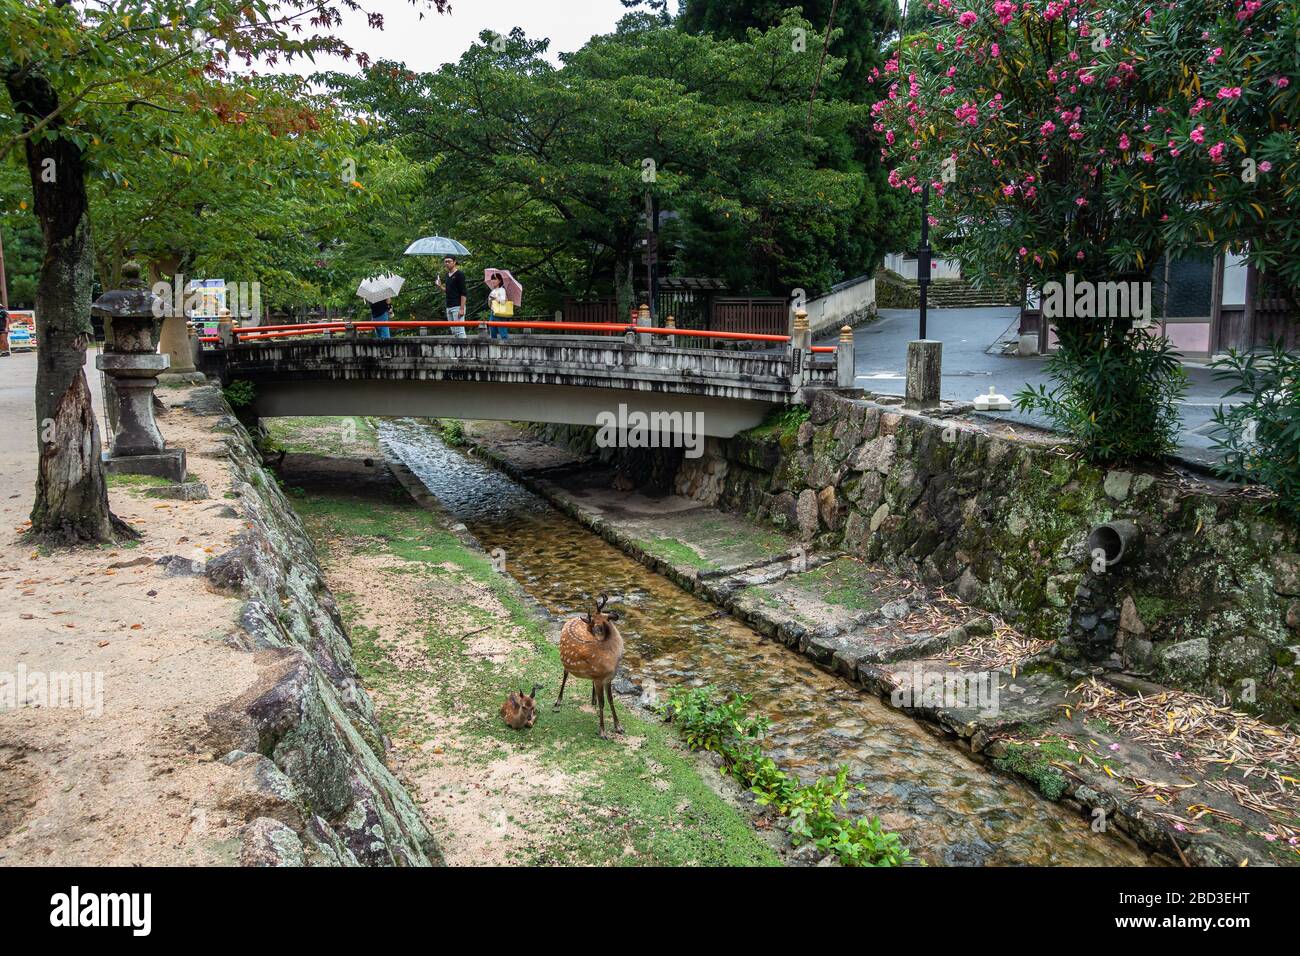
(639, 800)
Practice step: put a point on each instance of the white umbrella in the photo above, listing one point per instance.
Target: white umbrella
(379, 288)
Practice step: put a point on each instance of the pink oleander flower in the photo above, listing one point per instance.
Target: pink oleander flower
(1281, 82)
(1123, 141)
(1048, 128)
(1198, 134)
(1079, 255)
(967, 18)
(1008, 190)
(1230, 92)
(1081, 202)
(1023, 252)
(1216, 152)
(1214, 55)
(995, 51)
(1265, 166)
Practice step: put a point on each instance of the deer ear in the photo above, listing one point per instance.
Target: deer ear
(521, 692)
(612, 615)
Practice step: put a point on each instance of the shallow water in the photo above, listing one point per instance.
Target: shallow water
(946, 806)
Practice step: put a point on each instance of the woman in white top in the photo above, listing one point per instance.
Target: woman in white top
(497, 294)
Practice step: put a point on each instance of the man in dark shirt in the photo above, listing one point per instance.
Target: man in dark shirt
(455, 289)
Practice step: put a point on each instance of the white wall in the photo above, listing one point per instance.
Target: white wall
(939, 268)
(834, 307)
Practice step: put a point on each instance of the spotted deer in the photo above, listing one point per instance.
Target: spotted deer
(520, 710)
(592, 647)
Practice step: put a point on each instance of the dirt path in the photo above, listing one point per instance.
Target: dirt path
(117, 779)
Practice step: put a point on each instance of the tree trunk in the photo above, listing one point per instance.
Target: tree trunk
(71, 495)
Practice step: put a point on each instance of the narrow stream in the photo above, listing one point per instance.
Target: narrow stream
(948, 808)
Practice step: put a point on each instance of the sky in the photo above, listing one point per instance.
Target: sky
(424, 45)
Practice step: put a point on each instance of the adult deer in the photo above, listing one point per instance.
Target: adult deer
(592, 647)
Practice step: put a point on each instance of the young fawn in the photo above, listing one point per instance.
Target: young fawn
(592, 647)
(520, 710)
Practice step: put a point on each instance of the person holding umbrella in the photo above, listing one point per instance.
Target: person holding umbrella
(455, 289)
(379, 292)
(504, 293)
(381, 311)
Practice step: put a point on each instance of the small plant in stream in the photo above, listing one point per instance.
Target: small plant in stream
(725, 726)
(708, 724)
(452, 431)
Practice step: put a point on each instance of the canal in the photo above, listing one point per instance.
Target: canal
(946, 806)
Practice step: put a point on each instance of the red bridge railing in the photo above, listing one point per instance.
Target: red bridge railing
(257, 333)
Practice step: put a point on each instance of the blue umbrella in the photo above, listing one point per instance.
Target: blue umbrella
(436, 246)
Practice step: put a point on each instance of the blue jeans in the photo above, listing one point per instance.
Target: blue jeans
(383, 332)
(504, 333)
(453, 315)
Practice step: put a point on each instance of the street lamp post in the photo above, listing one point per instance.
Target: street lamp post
(923, 253)
(924, 356)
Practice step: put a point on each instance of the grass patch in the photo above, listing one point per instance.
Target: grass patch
(675, 552)
(635, 805)
(135, 481)
(1034, 764)
(338, 436)
(842, 582)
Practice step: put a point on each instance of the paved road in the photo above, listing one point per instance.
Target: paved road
(970, 367)
(18, 430)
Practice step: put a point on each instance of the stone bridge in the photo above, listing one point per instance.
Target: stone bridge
(564, 379)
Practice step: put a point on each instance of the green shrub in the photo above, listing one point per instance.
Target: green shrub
(726, 727)
(1259, 439)
(1116, 395)
(709, 724)
(452, 431)
(240, 393)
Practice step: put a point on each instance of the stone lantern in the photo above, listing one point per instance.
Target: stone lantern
(133, 317)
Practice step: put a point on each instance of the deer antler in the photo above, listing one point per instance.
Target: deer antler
(600, 608)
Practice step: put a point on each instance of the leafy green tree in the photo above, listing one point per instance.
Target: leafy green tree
(79, 82)
(547, 169)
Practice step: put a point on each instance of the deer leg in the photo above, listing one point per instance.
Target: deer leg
(601, 710)
(609, 692)
(593, 693)
(564, 680)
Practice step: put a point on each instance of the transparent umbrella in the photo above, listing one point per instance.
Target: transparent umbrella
(436, 246)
